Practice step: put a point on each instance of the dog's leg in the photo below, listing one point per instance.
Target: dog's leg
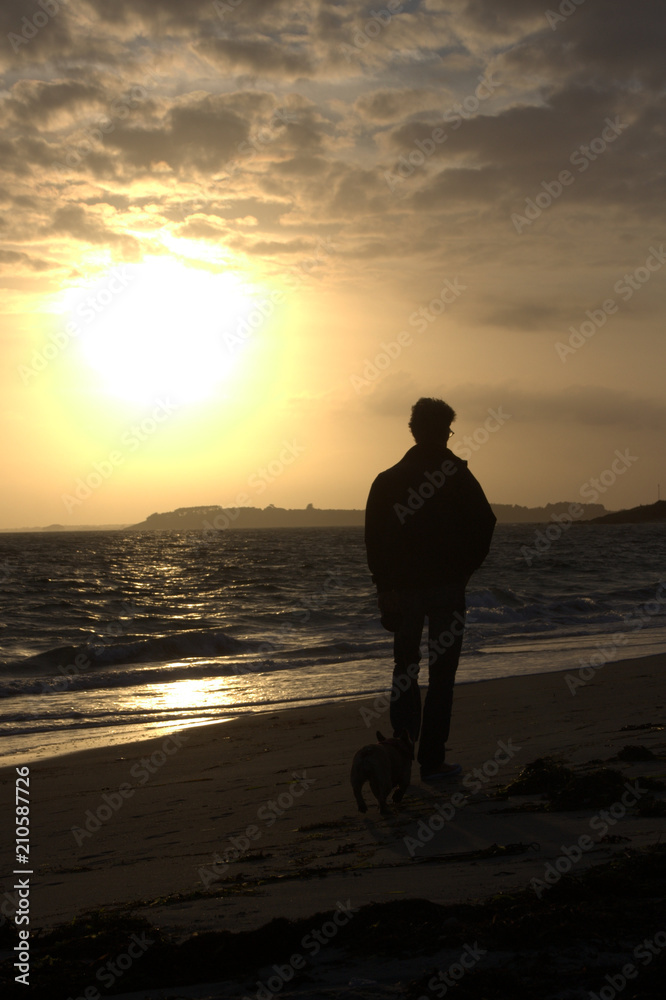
(380, 791)
(358, 795)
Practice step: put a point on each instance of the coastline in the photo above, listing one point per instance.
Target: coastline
(242, 840)
(189, 814)
(263, 693)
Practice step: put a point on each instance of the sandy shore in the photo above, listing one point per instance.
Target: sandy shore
(227, 826)
(271, 795)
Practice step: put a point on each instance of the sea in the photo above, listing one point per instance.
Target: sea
(113, 636)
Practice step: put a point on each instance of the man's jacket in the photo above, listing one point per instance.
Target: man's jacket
(427, 522)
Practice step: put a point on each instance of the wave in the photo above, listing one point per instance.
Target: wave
(138, 677)
(58, 673)
(90, 656)
(534, 610)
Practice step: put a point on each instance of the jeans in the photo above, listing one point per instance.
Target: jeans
(444, 607)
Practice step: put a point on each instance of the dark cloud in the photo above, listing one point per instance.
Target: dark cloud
(165, 13)
(267, 248)
(38, 100)
(258, 56)
(577, 405)
(391, 105)
(32, 32)
(309, 149)
(529, 316)
(604, 40)
(74, 220)
(589, 406)
(204, 134)
(173, 15)
(15, 259)
(202, 229)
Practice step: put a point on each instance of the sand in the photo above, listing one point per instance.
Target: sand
(227, 826)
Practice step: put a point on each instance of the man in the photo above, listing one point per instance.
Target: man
(428, 526)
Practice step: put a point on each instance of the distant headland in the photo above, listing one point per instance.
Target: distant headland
(215, 517)
(218, 518)
(645, 514)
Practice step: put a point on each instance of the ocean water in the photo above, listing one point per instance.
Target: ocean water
(110, 636)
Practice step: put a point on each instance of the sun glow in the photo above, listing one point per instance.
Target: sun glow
(164, 328)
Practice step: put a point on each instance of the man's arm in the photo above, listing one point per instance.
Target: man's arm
(381, 526)
(380, 529)
(480, 523)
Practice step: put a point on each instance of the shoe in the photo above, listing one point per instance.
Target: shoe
(443, 772)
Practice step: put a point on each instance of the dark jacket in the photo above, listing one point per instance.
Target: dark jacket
(427, 522)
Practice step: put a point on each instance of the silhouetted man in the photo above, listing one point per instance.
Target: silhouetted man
(428, 526)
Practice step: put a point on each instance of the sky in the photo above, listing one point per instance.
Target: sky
(240, 239)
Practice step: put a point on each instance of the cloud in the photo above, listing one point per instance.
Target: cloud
(19, 261)
(32, 33)
(39, 101)
(584, 406)
(528, 316)
(316, 152)
(203, 133)
(258, 55)
(576, 405)
(396, 103)
(76, 221)
(609, 41)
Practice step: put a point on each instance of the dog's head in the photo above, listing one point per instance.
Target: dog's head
(402, 742)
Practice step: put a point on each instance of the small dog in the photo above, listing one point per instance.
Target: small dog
(384, 764)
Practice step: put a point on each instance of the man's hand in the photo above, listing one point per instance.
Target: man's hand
(388, 603)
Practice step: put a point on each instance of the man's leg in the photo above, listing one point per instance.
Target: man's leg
(405, 711)
(446, 617)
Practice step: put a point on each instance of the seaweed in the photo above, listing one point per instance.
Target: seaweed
(595, 913)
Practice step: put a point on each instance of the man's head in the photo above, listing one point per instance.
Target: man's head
(430, 421)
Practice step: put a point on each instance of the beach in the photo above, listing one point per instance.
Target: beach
(225, 827)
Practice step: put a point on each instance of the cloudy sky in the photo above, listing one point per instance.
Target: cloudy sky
(241, 238)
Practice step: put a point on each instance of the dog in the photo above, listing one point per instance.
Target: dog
(385, 764)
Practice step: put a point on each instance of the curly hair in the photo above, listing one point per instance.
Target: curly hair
(430, 419)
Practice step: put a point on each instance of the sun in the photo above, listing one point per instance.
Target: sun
(162, 327)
